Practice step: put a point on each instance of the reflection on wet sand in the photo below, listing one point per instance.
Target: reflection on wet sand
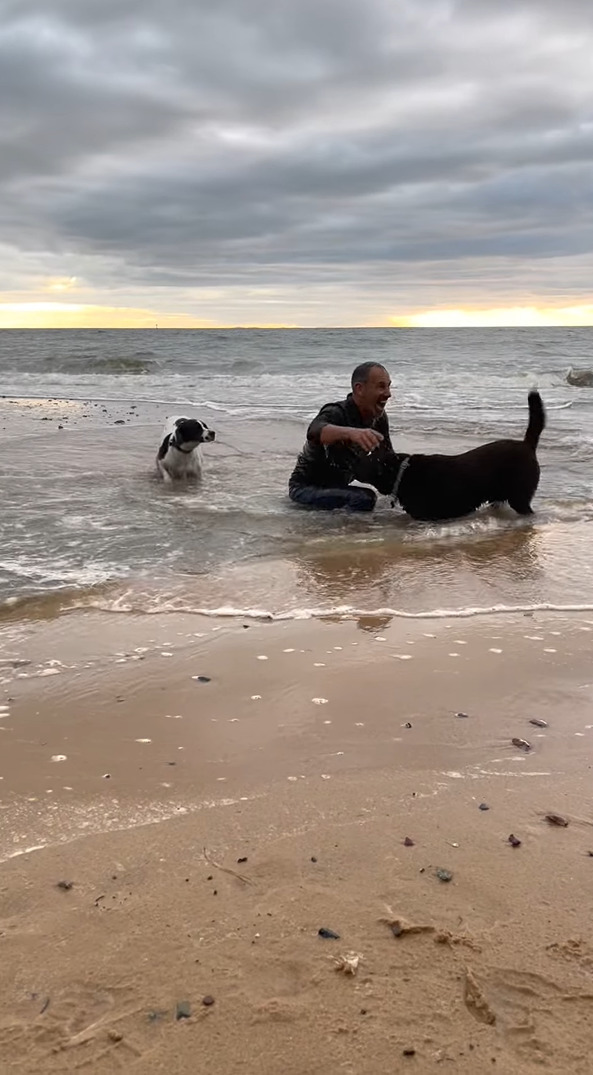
(380, 575)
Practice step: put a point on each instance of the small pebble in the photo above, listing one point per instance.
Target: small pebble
(557, 819)
(514, 841)
(313, 859)
(328, 934)
(444, 875)
(409, 1052)
(538, 723)
(244, 859)
(408, 842)
(522, 744)
(65, 885)
(201, 679)
(464, 715)
(407, 725)
(483, 806)
(208, 1001)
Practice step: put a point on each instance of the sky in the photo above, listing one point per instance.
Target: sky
(296, 162)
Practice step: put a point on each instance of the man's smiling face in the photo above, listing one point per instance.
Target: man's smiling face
(372, 396)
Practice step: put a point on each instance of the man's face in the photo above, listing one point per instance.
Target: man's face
(371, 398)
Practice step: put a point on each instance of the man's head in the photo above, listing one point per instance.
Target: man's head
(371, 389)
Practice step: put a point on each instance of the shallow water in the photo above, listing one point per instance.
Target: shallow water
(84, 520)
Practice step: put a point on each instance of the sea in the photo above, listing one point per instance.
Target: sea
(85, 522)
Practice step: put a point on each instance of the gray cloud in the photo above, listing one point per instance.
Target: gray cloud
(165, 149)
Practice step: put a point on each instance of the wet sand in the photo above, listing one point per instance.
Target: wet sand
(144, 787)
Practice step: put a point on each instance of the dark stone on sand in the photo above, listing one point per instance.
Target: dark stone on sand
(409, 1052)
(328, 934)
(244, 859)
(208, 1001)
(119, 422)
(171, 763)
(408, 842)
(522, 744)
(201, 679)
(106, 776)
(65, 885)
(465, 715)
(538, 723)
(483, 806)
(313, 859)
(514, 840)
(183, 1009)
(60, 427)
(444, 875)
(557, 819)
(407, 725)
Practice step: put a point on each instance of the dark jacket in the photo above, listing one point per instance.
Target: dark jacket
(336, 465)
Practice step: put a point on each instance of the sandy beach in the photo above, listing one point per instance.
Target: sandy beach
(316, 778)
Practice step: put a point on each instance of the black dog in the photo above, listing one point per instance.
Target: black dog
(439, 487)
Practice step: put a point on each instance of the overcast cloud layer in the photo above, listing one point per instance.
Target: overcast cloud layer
(310, 161)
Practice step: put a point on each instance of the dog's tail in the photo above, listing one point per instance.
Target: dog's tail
(537, 420)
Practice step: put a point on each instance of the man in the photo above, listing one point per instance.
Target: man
(340, 441)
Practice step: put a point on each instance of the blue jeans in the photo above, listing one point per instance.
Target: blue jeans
(352, 498)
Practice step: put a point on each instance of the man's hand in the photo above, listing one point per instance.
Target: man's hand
(367, 439)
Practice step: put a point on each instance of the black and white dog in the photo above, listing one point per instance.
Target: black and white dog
(180, 456)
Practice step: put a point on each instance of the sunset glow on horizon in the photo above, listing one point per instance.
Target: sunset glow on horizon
(64, 315)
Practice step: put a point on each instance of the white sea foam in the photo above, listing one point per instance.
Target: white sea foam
(344, 612)
(75, 821)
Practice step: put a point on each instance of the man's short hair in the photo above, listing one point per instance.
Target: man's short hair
(362, 372)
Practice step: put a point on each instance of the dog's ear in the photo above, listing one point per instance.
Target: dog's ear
(164, 448)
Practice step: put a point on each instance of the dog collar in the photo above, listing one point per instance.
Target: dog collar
(402, 470)
(184, 451)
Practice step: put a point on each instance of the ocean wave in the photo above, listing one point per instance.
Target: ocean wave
(138, 364)
(127, 605)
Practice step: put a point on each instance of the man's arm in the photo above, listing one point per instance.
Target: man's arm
(329, 428)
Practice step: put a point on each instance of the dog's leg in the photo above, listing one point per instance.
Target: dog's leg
(521, 507)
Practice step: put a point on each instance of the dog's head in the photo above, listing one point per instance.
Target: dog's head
(189, 433)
